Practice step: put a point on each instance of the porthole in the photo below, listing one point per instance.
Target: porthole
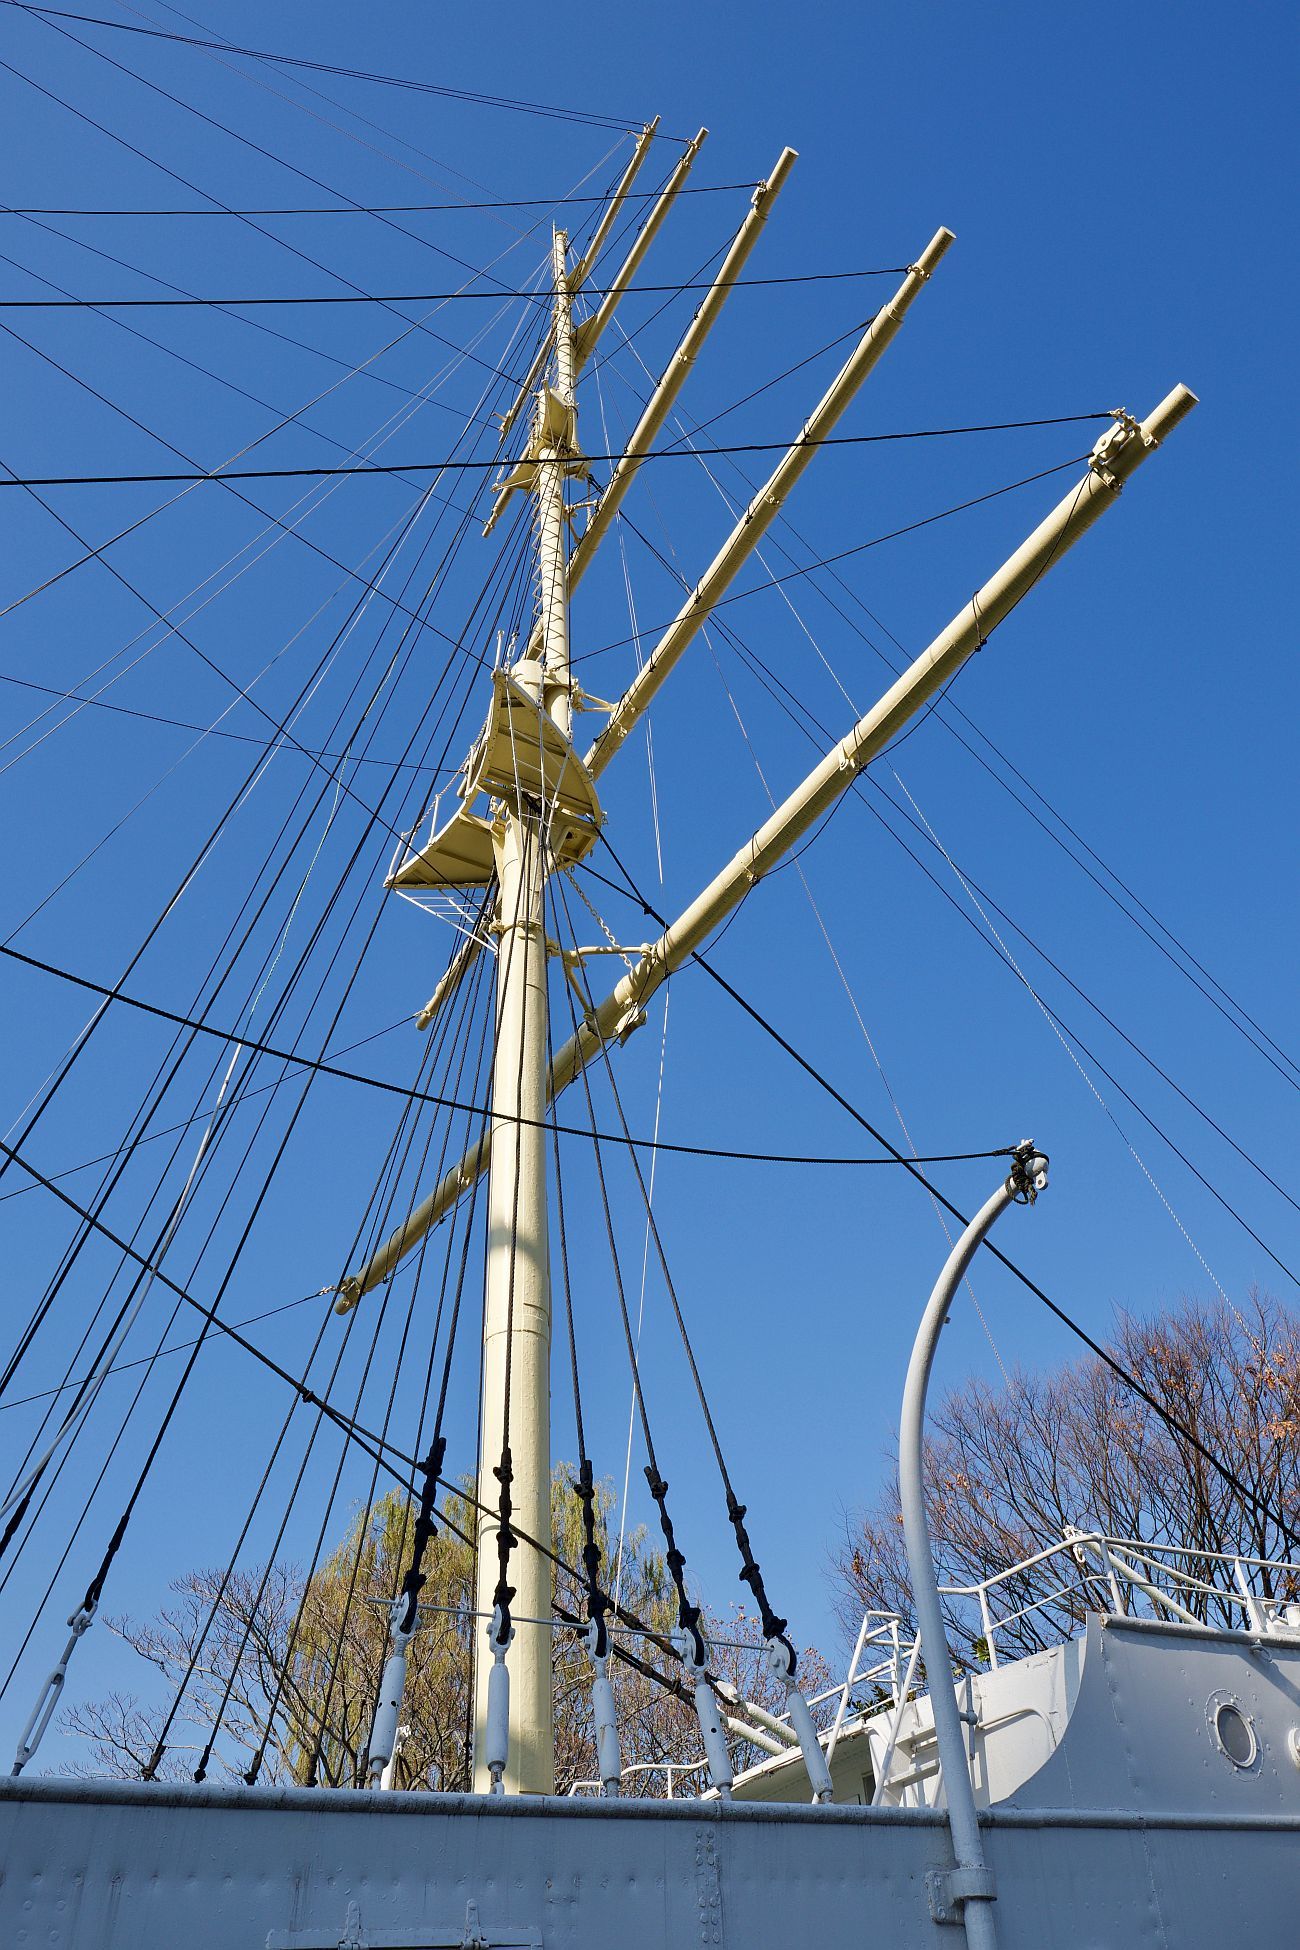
(1234, 1732)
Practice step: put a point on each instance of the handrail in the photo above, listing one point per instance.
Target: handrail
(1134, 1563)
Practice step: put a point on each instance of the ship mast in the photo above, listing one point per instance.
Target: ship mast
(515, 1429)
(543, 815)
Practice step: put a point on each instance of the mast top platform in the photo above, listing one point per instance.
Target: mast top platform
(521, 755)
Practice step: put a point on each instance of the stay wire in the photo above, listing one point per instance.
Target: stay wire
(774, 1627)
(1073, 1036)
(432, 1465)
(775, 684)
(300, 965)
(231, 806)
(356, 1433)
(580, 117)
(688, 1614)
(377, 1450)
(380, 1444)
(585, 1488)
(283, 421)
(375, 209)
(1103, 1354)
(448, 464)
(257, 148)
(110, 1182)
(204, 1162)
(957, 711)
(540, 298)
(450, 1036)
(374, 1447)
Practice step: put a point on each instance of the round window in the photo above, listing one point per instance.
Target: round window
(1234, 1733)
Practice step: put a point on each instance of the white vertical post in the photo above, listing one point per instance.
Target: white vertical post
(970, 1883)
(517, 1316)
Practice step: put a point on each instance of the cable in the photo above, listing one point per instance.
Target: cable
(544, 298)
(448, 464)
(281, 242)
(374, 209)
(582, 117)
(1103, 1354)
(184, 724)
(324, 1068)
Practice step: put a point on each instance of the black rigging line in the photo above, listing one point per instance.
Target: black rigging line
(208, 731)
(376, 209)
(448, 464)
(688, 1614)
(432, 1466)
(796, 709)
(362, 1437)
(283, 419)
(1103, 1354)
(173, 629)
(500, 294)
(110, 1184)
(379, 1445)
(163, 1241)
(840, 555)
(270, 155)
(1073, 1037)
(774, 1627)
(258, 1046)
(196, 863)
(257, 228)
(283, 1433)
(365, 370)
(476, 97)
(585, 1488)
(145, 1360)
(188, 1123)
(452, 1039)
(430, 1055)
(243, 1240)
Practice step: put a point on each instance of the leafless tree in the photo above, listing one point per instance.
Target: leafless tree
(1007, 1469)
(289, 1669)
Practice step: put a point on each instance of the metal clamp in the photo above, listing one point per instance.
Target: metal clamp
(949, 1890)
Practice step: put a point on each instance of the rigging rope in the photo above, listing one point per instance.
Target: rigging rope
(1109, 1360)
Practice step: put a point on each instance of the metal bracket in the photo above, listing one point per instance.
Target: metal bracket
(473, 1938)
(949, 1889)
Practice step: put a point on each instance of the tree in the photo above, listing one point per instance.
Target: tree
(290, 1669)
(1007, 1469)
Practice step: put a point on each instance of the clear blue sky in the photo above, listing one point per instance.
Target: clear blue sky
(1120, 181)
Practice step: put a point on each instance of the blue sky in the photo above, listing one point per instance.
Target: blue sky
(1117, 179)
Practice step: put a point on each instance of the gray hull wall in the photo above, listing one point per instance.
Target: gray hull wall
(1137, 1832)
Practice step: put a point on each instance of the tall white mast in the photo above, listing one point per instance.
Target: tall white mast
(517, 1302)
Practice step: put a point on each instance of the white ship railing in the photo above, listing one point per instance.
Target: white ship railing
(672, 1771)
(1178, 1580)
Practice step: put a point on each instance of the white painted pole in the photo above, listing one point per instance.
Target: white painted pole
(517, 1317)
(970, 1883)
